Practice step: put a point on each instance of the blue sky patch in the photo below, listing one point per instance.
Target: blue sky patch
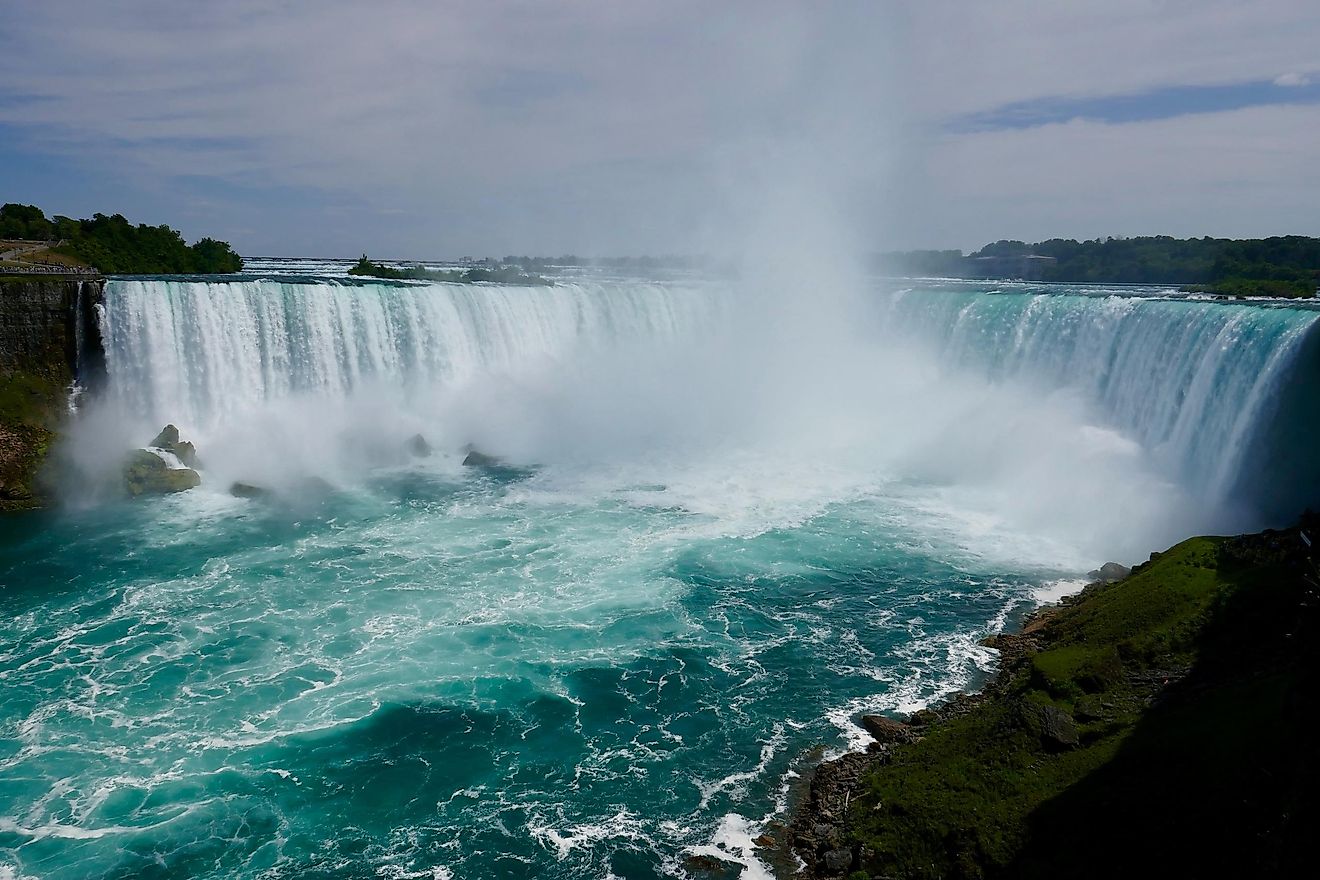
(1160, 103)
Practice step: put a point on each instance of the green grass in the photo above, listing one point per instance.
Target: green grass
(29, 399)
(985, 795)
(1156, 612)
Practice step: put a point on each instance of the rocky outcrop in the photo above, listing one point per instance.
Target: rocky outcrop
(165, 466)
(885, 729)
(818, 830)
(49, 339)
(1109, 573)
(1055, 727)
(168, 440)
(146, 473)
(476, 458)
(418, 447)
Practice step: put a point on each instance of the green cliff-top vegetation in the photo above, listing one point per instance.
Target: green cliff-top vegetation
(499, 274)
(1163, 725)
(1280, 266)
(116, 247)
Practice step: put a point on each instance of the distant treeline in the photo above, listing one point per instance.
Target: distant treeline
(117, 247)
(1281, 266)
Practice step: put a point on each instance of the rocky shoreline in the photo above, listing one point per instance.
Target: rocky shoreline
(965, 788)
(818, 828)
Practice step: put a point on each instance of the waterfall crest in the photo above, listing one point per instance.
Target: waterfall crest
(1209, 390)
(196, 351)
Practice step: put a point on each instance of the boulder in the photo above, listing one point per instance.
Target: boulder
(838, 861)
(418, 447)
(168, 436)
(183, 450)
(1056, 728)
(146, 473)
(884, 729)
(476, 458)
(186, 453)
(247, 490)
(1109, 573)
(711, 866)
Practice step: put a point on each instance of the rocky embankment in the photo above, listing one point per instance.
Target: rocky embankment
(48, 338)
(1163, 724)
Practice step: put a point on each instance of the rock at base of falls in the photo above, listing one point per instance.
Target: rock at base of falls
(147, 473)
(476, 458)
(418, 447)
(168, 439)
(247, 490)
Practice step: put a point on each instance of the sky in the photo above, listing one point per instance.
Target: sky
(412, 129)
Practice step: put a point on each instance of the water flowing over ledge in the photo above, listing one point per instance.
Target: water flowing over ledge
(196, 351)
(1221, 395)
(1218, 392)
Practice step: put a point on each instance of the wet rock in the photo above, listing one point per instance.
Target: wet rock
(765, 841)
(1109, 573)
(186, 453)
(884, 729)
(168, 436)
(705, 865)
(146, 473)
(247, 490)
(476, 458)
(418, 447)
(183, 450)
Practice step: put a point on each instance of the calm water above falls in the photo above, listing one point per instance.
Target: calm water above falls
(713, 554)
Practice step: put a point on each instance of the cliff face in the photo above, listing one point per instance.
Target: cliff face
(49, 337)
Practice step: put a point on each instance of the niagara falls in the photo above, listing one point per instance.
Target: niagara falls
(893, 454)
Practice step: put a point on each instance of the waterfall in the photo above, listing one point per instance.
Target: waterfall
(1211, 389)
(196, 351)
(1220, 395)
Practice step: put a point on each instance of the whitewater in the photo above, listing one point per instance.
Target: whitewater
(722, 529)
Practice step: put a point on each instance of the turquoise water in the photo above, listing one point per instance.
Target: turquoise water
(447, 672)
(616, 654)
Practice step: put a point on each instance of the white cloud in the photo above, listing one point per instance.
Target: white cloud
(613, 127)
(569, 125)
(1293, 80)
